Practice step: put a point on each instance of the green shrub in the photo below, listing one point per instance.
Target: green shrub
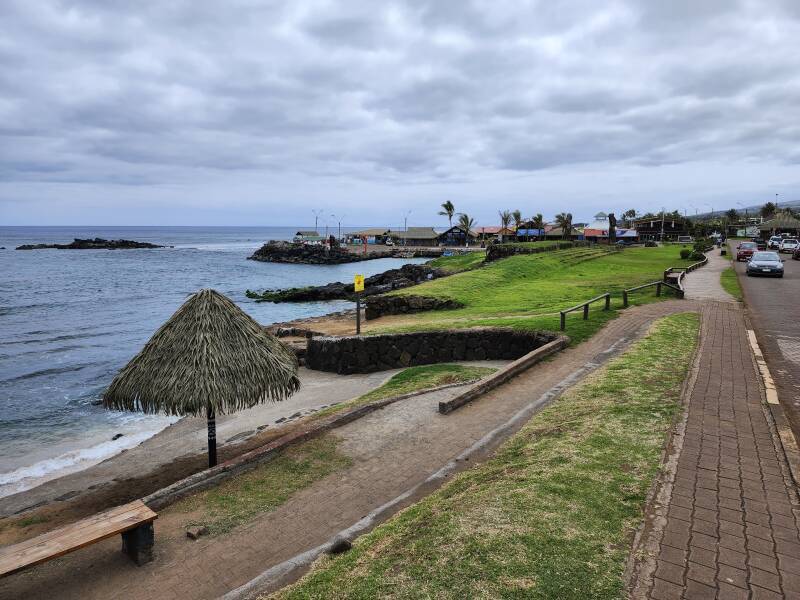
(685, 253)
(697, 256)
(650, 244)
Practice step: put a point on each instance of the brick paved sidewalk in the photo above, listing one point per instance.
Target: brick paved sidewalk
(733, 520)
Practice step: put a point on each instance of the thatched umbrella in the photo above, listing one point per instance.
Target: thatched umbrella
(209, 358)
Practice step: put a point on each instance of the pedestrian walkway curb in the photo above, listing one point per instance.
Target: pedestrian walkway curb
(788, 442)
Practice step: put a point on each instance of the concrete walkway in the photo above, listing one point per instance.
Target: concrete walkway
(395, 450)
(726, 521)
(704, 283)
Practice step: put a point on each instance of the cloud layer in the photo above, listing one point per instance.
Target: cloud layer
(204, 105)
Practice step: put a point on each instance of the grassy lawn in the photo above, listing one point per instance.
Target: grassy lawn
(242, 498)
(730, 282)
(552, 514)
(527, 291)
(459, 262)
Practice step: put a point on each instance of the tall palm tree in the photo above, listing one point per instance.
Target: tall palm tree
(517, 216)
(467, 224)
(449, 211)
(629, 215)
(564, 220)
(538, 222)
(505, 219)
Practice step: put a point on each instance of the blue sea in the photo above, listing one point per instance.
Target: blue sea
(70, 319)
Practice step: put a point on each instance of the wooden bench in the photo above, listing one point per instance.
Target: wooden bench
(134, 521)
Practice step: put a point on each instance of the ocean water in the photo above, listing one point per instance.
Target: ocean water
(70, 319)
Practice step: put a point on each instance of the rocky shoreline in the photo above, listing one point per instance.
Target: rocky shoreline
(393, 279)
(92, 244)
(311, 254)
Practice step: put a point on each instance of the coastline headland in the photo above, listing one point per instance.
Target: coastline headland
(312, 254)
(92, 244)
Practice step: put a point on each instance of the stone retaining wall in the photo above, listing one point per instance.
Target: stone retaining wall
(366, 354)
(378, 306)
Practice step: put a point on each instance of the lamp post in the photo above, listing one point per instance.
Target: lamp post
(662, 224)
(339, 224)
(405, 225)
(317, 213)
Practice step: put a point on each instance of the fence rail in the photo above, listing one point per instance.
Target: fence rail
(658, 284)
(585, 307)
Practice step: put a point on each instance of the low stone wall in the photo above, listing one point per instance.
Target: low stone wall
(498, 251)
(378, 306)
(366, 354)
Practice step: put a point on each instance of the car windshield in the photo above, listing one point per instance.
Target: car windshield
(750, 245)
(766, 257)
(790, 241)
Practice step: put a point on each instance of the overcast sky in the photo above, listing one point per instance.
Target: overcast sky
(256, 112)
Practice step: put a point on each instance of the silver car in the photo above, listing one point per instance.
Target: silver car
(765, 263)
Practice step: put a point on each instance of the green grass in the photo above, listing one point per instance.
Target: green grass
(552, 514)
(414, 379)
(242, 498)
(527, 291)
(459, 262)
(730, 282)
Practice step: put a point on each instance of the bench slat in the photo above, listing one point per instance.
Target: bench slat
(74, 536)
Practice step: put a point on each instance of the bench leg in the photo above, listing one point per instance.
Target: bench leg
(138, 543)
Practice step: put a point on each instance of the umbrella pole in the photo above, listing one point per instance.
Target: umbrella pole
(212, 437)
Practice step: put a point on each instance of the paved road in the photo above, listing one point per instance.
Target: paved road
(774, 309)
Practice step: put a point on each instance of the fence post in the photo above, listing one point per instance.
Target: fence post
(563, 321)
(608, 302)
(624, 298)
(658, 289)
(666, 273)
(585, 311)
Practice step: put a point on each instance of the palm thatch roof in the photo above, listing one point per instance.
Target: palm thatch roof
(210, 353)
(782, 220)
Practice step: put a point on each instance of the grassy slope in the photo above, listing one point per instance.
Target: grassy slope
(527, 291)
(551, 514)
(730, 282)
(459, 262)
(243, 497)
(415, 379)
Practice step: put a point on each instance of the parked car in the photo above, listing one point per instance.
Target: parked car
(774, 242)
(745, 250)
(389, 242)
(762, 244)
(788, 245)
(765, 263)
(796, 253)
(685, 239)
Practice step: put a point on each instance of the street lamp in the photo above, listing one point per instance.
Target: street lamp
(405, 225)
(339, 223)
(317, 213)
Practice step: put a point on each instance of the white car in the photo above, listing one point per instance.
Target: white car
(788, 245)
(774, 242)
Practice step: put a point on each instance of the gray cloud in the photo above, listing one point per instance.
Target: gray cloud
(419, 93)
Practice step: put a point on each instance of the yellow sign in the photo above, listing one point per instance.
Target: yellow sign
(358, 283)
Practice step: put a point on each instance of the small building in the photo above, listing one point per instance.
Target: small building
(374, 235)
(557, 233)
(650, 228)
(782, 222)
(496, 232)
(456, 236)
(307, 236)
(416, 236)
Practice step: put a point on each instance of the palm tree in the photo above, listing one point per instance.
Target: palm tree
(467, 224)
(564, 220)
(538, 222)
(505, 220)
(629, 216)
(517, 216)
(449, 211)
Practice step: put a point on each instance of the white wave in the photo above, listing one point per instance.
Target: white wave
(25, 478)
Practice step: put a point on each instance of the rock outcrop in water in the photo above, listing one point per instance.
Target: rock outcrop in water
(91, 244)
(393, 279)
(309, 254)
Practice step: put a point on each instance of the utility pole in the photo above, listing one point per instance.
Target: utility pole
(662, 224)
(317, 213)
(339, 224)
(405, 224)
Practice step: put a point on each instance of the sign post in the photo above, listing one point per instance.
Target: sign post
(358, 287)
